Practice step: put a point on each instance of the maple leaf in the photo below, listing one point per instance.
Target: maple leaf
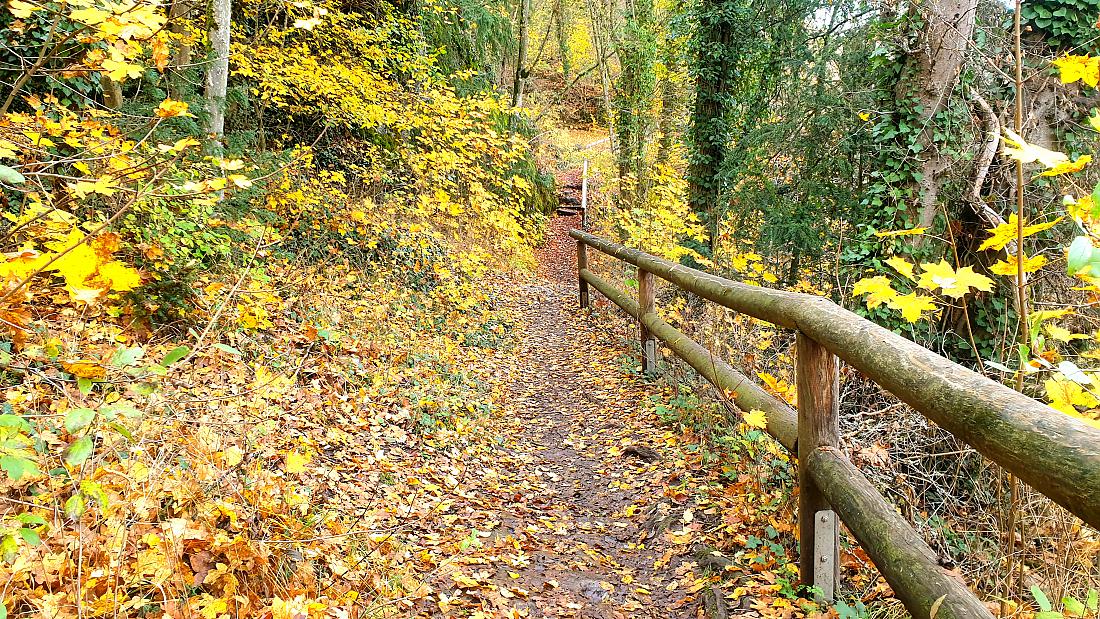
(755, 419)
(1063, 334)
(1066, 395)
(877, 288)
(119, 276)
(951, 282)
(1017, 148)
(1073, 68)
(912, 306)
(119, 69)
(1008, 267)
(170, 108)
(1006, 233)
(76, 266)
(296, 462)
(901, 265)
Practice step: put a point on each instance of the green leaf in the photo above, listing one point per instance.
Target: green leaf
(1080, 254)
(1048, 614)
(16, 467)
(11, 176)
(1091, 600)
(1072, 606)
(14, 421)
(75, 506)
(121, 429)
(175, 355)
(1041, 598)
(3, 611)
(78, 418)
(8, 548)
(228, 349)
(32, 520)
(84, 385)
(79, 451)
(30, 536)
(125, 357)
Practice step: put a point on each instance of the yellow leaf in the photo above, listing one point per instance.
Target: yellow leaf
(1069, 167)
(1008, 267)
(901, 265)
(1006, 233)
(233, 456)
(1094, 120)
(864, 116)
(1063, 334)
(296, 462)
(85, 295)
(950, 282)
(1072, 68)
(21, 9)
(170, 108)
(755, 419)
(877, 288)
(84, 369)
(120, 277)
(1066, 395)
(76, 265)
(120, 70)
(1017, 148)
(894, 233)
(912, 306)
(102, 186)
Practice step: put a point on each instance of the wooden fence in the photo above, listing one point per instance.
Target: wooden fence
(1053, 452)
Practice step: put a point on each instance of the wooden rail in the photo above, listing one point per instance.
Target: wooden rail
(1055, 453)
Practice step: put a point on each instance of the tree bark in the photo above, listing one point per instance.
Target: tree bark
(178, 12)
(217, 76)
(521, 56)
(926, 85)
(708, 133)
(563, 41)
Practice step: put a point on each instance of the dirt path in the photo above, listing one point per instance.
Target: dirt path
(563, 509)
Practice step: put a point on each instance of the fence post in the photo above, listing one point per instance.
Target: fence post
(582, 264)
(584, 196)
(818, 426)
(646, 305)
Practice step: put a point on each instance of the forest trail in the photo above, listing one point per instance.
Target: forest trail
(569, 507)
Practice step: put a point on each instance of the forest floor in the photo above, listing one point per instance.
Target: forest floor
(581, 500)
(576, 463)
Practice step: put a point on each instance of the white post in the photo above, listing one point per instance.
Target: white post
(584, 196)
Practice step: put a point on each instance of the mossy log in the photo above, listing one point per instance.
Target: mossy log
(903, 558)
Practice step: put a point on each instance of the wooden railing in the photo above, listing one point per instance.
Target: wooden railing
(1053, 452)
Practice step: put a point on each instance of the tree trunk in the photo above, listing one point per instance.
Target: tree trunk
(926, 85)
(521, 57)
(708, 135)
(670, 104)
(563, 41)
(179, 11)
(634, 95)
(217, 76)
(112, 92)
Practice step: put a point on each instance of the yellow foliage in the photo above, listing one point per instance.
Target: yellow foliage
(951, 282)
(1006, 233)
(1073, 68)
